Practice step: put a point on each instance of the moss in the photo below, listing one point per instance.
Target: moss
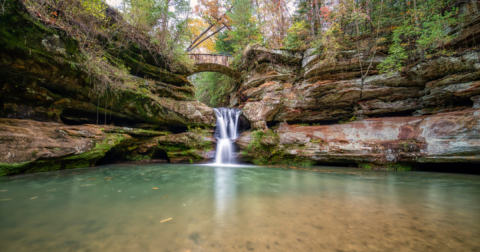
(316, 140)
(394, 166)
(6, 168)
(365, 166)
(85, 159)
(187, 146)
(282, 159)
(262, 147)
(135, 132)
(399, 167)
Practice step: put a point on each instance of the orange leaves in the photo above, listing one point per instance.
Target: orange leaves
(212, 11)
(196, 26)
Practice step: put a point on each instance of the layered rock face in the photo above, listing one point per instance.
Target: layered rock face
(32, 146)
(308, 88)
(316, 93)
(389, 142)
(42, 79)
(313, 88)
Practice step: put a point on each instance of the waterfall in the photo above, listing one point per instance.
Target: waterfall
(226, 132)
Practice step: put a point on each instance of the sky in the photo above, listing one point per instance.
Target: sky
(116, 3)
(193, 3)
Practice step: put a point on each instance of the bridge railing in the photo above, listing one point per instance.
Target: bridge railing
(212, 58)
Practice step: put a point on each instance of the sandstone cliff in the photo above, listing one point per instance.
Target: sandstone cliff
(321, 94)
(42, 79)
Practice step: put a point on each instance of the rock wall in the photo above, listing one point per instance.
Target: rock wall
(391, 142)
(42, 79)
(318, 92)
(32, 146)
(309, 89)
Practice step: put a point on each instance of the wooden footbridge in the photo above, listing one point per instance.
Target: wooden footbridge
(214, 63)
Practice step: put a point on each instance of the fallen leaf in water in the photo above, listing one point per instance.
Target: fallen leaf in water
(162, 221)
(34, 197)
(3, 190)
(119, 190)
(147, 179)
(165, 196)
(155, 188)
(108, 178)
(5, 199)
(51, 190)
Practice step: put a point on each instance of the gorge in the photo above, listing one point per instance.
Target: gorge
(148, 125)
(297, 107)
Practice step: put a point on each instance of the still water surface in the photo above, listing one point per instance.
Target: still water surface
(201, 208)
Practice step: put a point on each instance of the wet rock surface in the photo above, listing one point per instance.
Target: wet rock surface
(32, 146)
(393, 142)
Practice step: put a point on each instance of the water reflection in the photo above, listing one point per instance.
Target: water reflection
(224, 193)
(121, 208)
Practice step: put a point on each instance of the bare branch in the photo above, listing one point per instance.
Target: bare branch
(217, 31)
(208, 29)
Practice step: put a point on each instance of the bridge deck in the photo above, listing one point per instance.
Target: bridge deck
(211, 59)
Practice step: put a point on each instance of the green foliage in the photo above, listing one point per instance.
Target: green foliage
(246, 31)
(213, 88)
(424, 32)
(297, 36)
(96, 8)
(154, 29)
(223, 45)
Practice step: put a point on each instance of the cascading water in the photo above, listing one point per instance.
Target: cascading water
(226, 132)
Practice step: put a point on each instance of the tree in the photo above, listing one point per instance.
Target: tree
(245, 30)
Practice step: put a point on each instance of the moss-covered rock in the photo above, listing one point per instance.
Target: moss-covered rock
(31, 146)
(392, 143)
(42, 78)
